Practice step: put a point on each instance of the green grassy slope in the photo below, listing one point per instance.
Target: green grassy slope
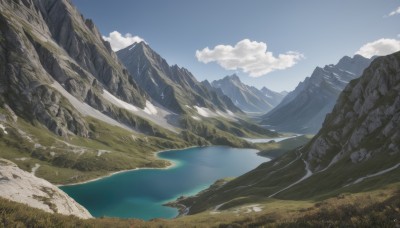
(356, 150)
(371, 209)
(74, 159)
(108, 148)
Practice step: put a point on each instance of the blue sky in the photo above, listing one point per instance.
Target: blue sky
(306, 33)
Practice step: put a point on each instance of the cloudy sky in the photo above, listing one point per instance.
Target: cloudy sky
(267, 43)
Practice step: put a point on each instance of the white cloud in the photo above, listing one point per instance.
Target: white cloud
(379, 47)
(118, 41)
(249, 56)
(397, 11)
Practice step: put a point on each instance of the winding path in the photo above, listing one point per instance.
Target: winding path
(309, 173)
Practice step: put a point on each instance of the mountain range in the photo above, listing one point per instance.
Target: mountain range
(248, 98)
(304, 109)
(357, 149)
(171, 86)
(63, 90)
(72, 110)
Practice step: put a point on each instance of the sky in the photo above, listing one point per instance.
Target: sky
(266, 43)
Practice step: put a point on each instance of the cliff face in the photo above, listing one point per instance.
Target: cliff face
(304, 109)
(46, 43)
(24, 187)
(173, 87)
(364, 121)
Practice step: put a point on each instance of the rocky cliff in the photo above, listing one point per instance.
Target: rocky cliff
(48, 43)
(23, 187)
(173, 87)
(304, 109)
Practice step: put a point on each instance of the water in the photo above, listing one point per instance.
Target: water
(141, 193)
(266, 140)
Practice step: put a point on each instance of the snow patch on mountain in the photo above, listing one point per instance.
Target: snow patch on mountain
(196, 118)
(3, 128)
(151, 112)
(86, 109)
(150, 108)
(120, 103)
(205, 112)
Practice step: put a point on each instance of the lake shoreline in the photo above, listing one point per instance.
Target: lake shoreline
(156, 188)
(156, 155)
(171, 165)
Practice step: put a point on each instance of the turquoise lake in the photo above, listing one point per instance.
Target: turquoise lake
(141, 193)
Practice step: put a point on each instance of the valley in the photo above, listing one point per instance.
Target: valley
(116, 130)
(142, 193)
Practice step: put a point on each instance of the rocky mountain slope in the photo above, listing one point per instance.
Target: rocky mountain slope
(357, 149)
(48, 43)
(63, 90)
(171, 86)
(70, 111)
(24, 187)
(304, 109)
(248, 98)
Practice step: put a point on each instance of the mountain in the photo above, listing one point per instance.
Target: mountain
(62, 90)
(197, 107)
(48, 50)
(269, 93)
(304, 109)
(248, 98)
(71, 111)
(173, 87)
(357, 149)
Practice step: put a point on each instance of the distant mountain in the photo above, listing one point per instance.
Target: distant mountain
(304, 109)
(357, 149)
(269, 93)
(171, 86)
(248, 98)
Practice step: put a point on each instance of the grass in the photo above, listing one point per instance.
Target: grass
(378, 208)
(253, 186)
(211, 133)
(271, 177)
(74, 159)
(276, 149)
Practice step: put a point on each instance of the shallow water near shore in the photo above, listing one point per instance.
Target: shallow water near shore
(141, 193)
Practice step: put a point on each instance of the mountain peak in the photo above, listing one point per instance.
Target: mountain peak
(247, 98)
(315, 96)
(351, 60)
(355, 65)
(173, 87)
(234, 77)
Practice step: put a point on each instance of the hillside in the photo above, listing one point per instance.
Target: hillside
(356, 150)
(63, 90)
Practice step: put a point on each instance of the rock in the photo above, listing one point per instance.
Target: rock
(171, 86)
(23, 187)
(365, 117)
(47, 41)
(304, 109)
